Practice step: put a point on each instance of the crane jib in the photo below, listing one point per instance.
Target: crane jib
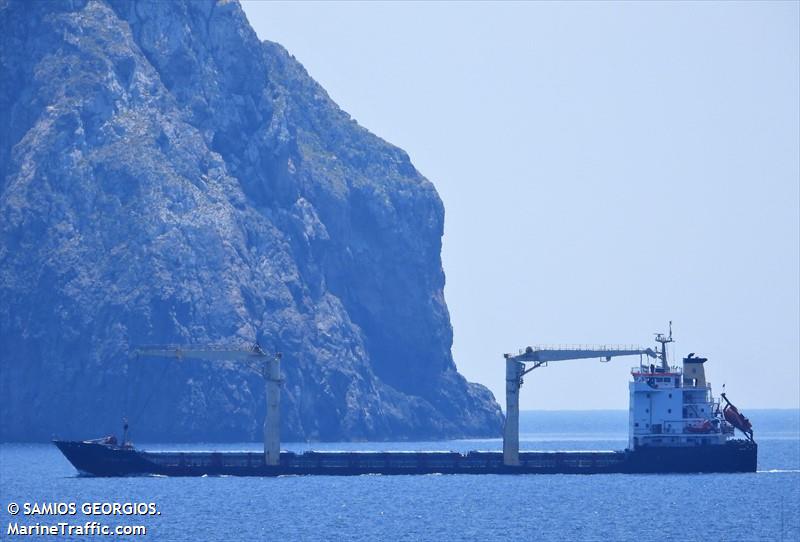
(556, 354)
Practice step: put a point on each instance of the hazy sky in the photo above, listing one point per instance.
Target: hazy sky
(604, 168)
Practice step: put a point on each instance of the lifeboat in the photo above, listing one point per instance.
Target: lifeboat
(736, 418)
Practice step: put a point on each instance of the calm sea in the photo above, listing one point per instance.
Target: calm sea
(705, 507)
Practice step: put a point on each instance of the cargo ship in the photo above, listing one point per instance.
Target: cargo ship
(676, 425)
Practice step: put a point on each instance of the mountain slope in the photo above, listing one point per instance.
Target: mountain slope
(167, 178)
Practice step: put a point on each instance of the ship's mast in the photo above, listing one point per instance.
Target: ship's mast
(660, 338)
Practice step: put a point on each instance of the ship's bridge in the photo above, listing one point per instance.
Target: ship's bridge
(657, 377)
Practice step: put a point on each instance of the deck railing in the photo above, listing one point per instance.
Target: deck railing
(600, 347)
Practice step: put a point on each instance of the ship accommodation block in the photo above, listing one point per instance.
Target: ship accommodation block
(674, 407)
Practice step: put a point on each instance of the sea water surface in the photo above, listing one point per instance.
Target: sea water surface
(704, 507)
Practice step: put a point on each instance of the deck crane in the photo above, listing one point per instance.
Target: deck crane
(268, 364)
(539, 356)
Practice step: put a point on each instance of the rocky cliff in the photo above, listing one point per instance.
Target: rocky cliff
(165, 177)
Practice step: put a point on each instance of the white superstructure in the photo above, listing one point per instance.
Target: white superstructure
(669, 406)
(674, 406)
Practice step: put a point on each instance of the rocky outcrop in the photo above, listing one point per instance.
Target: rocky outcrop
(165, 177)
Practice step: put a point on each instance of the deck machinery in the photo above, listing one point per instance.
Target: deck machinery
(676, 425)
(269, 365)
(674, 421)
(540, 356)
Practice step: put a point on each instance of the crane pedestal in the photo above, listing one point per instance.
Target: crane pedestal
(272, 420)
(511, 429)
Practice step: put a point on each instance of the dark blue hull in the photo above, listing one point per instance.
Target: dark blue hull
(96, 459)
